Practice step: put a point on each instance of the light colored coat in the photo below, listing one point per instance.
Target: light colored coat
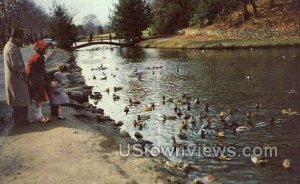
(16, 87)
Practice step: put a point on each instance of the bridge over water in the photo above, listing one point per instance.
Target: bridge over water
(103, 41)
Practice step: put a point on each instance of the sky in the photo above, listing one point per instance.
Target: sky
(80, 8)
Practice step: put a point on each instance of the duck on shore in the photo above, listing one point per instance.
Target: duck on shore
(175, 144)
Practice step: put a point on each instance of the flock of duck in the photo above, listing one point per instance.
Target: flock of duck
(208, 123)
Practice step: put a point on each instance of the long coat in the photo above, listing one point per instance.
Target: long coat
(16, 88)
(37, 78)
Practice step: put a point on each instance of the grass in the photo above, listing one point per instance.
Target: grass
(177, 43)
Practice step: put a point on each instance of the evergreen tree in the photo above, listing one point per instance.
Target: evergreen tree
(61, 26)
(130, 18)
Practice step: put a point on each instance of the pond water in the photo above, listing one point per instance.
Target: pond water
(236, 79)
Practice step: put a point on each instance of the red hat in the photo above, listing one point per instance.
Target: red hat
(40, 45)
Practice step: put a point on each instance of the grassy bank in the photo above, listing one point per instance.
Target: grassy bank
(181, 43)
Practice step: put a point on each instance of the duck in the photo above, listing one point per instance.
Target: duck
(117, 89)
(119, 123)
(178, 145)
(183, 125)
(201, 132)
(187, 116)
(116, 97)
(220, 134)
(188, 108)
(104, 78)
(96, 96)
(257, 106)
(224, 158)
(126, 110)
(258, 160)
(170, 117)
(192, 121)
(94, 77)
(164, 118)
(206, 108)
(117, 68)
(164, 100)
(138, 135)
(134, 102)
(179, 113)
(289, 112)
(138, 123)
(176, 108)
(286, 163)
(202, 116)
(153, 105)
(182, 135)
(147, 108)
(197, 101)
(143, 117)
(107, 90)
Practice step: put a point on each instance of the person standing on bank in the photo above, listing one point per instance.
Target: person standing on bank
(37, 79)
(16, 87)
(58, 95)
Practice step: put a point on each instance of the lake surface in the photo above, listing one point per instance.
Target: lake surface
(235, 79)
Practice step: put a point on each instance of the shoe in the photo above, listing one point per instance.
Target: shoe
(60, 117)
(43, 119)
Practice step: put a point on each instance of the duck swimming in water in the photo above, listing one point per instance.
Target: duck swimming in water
(126, 110)
(183, 125)
(197, 101)
(148, 108)
(258, 160)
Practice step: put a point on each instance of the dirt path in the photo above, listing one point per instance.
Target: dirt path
(70, 152)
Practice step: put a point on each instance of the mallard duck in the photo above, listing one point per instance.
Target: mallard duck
(271, 121)
(130, 101)
(178, 145)
(224, 158)
(206, 108)
(176, 108)
(96, 96)
(201, 132)
(117, 89)
(147, 108)
(202, 116)
(171, 100)
(164, 118)
(258, 161)
(197, 101)
(192, 121)
(138, 135)
(107, 90)
(153, 105)
(257, 106)
(242, 128)
(119, 123)
(286, 163)
(179, 113)
(182, 135)
(104, 78)
(138, 123)
(220, 134)
(94, 77)
(126, 110)
(116, 97)
(187, 116)
(289, 112)
(183, 125)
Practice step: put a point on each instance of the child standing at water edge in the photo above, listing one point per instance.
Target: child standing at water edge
(58, 95)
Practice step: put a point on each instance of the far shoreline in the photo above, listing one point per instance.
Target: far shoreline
(178, 43)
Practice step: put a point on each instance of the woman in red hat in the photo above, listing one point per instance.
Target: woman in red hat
(37, 79)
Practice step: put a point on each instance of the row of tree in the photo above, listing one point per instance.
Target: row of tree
(25, 14)
(130, 17)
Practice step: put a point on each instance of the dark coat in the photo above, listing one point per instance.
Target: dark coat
(37, 78)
